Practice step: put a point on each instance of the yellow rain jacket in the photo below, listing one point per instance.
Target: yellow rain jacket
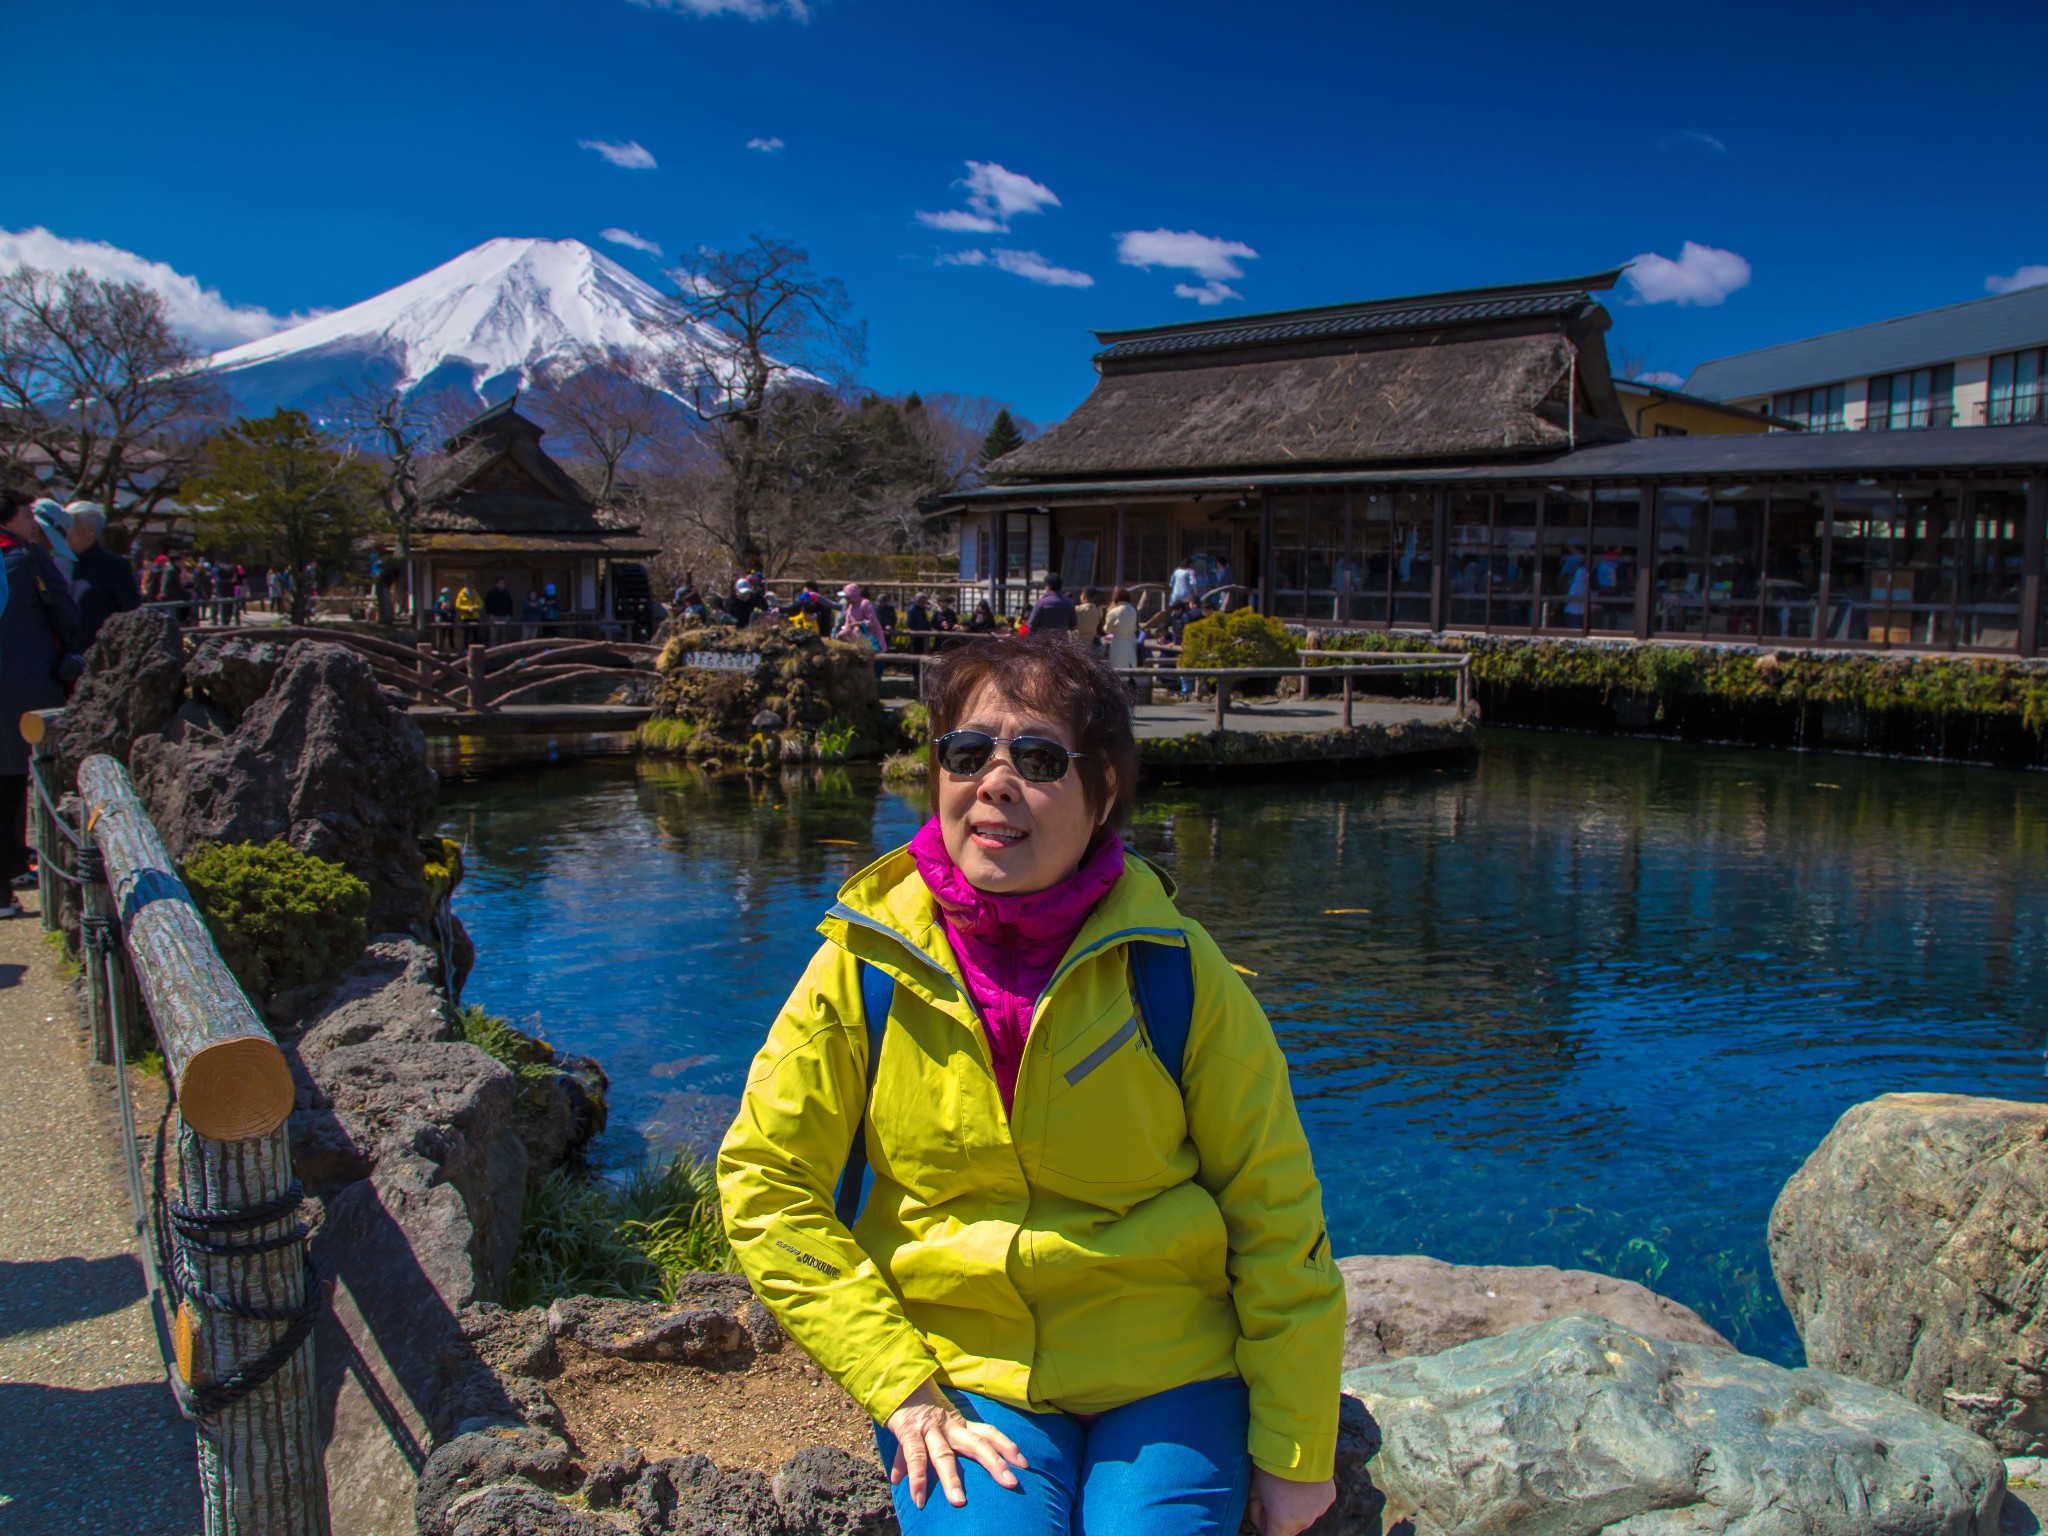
(1113, 1237)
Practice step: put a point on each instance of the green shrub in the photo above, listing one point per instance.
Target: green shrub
(1241, 638)
(281, 918)
(582, 1237)
(836, 740)
(914, 722)
(671, 736)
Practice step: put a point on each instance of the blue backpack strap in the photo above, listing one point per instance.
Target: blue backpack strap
(1163, 981)
(877, 996)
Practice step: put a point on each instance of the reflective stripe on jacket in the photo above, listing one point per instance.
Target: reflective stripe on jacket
(1115, 1236)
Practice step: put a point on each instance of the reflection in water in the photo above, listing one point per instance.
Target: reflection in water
(1602, 997)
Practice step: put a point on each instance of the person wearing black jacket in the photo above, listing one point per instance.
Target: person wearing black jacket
(104, 582)
(40, 638)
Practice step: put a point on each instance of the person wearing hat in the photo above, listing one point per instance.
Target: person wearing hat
(746, 600)
(918, 620)
(102, 582)
(39, 646)
(858, 620)
(54, 523)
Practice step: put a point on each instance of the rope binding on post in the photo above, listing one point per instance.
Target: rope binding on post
(188, 1230)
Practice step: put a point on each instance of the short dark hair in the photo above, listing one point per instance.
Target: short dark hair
(1052, 581)
(14, 501)
(1052, 676)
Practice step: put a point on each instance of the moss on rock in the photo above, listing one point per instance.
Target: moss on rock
(821, 693)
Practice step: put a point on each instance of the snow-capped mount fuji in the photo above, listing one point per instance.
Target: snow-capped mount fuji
(493, 320)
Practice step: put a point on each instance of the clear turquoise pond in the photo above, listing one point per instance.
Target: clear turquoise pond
(1604, 997)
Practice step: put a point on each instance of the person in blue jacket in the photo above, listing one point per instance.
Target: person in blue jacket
(39, 645)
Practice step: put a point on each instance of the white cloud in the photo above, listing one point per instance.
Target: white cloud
(1028, 265)
(631, 241)
(960, 221)
(1211, 292)
(750, 10)
(629, 156)
(198, 313)
(995, 196)
(1661, 378)
(1702, 275)
(767, 146)
(1204, 255)
(1694, 136)
(2025, 277)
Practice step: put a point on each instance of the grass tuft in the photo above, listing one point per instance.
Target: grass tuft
(583, 1237)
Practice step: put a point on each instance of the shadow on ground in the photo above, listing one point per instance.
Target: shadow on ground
(48, 1293)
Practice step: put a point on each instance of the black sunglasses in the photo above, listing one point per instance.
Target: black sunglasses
(1037, 759)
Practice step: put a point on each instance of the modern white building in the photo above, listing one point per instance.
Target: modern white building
(1975, 364)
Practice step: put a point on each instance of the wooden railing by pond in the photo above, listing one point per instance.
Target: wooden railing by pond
(1222, 681)
(225, 1252)
(482, 679)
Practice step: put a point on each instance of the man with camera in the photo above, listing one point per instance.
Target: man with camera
(39, 660)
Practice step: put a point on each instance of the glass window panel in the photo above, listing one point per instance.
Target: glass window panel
(1926, 537)
(1988, 613)
(1858, 602)
(2027, 373)
(1735, 567)
(1372, 533)
(1617, 528)
(1512, 564)
(1414, 556)
(1465, 582)
(1565, 571)
(1792, 544)
(1679, 580)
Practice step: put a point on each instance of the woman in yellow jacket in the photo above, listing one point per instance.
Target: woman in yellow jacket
(1089, 1288)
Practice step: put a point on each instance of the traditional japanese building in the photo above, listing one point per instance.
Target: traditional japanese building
(499, 506)
(1463, 461)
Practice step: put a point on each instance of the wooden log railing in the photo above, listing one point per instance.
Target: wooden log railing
(228, 1253)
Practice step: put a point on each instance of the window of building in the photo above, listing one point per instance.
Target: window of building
(1923, 397)
(1817, 410)
(1665, 429)
(2016, 388)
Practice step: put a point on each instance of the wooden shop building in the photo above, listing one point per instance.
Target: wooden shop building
(1464, 462)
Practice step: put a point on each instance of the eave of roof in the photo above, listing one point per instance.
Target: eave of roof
(1929, 453)
(1718, 407)
(1463, 306)
(2004, 322)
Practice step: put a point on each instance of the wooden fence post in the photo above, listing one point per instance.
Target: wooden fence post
(1222, 699)
(1347, 699)
(243, 1325)
(41, 735)
(479, 695)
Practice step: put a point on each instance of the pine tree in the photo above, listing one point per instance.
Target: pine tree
(1002, 437)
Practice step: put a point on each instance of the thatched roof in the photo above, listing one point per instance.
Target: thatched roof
(1455, 399)
(496, 478)
(1474, 374)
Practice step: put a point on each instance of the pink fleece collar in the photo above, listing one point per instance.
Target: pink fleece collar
(1055, 912)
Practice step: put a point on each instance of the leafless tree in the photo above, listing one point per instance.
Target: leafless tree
(97, 385)
(606, 412)
(750, 323)
(399, 439)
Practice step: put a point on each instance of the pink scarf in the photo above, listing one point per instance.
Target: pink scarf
(1009, 946)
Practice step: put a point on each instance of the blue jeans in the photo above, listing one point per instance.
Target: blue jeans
(1173, 1464)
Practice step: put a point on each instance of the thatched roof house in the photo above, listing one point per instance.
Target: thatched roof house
(1463, 461)
(498, 507)
(1431, 379)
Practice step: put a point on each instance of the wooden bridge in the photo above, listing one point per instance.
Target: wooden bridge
(487, 689)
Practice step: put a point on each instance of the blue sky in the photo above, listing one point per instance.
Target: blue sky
(1850, 161)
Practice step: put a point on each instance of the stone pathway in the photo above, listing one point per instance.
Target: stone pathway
(90, 1440)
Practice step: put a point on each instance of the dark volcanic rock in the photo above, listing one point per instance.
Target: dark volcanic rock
(1357, 1509)
(231, 672)
(473, 1461)
(513, 1343)
(824, 1491)
(132, 683)
(639, 1330)
(322, 760)
(514, 1509)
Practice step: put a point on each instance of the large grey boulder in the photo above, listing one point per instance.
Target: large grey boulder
(1410, 1304)
(231, 672)
(503, 1454)
(1910, 1251)
(1580, 1425)
(324, 760)
(132, 684)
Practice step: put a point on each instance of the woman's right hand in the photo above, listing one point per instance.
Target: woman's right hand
(931, 1434)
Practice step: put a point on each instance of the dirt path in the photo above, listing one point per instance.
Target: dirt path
(90, 1440)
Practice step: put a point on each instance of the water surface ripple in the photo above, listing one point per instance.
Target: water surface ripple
(1588, 1003)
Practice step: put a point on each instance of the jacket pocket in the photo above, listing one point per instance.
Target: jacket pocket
(1115, 1117)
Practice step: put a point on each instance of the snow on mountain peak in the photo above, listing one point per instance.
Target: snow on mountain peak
(492, 319)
